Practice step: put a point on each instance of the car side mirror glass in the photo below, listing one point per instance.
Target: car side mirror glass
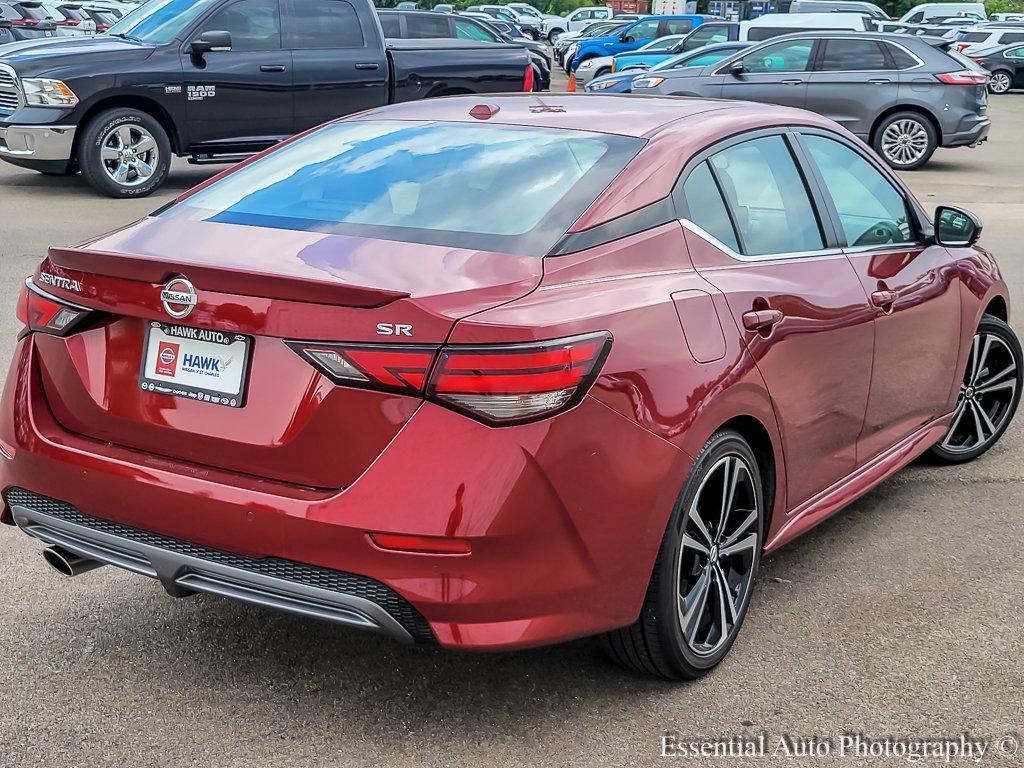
(956, 227)
(211, 42)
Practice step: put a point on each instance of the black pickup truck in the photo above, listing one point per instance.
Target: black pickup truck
(217, 80)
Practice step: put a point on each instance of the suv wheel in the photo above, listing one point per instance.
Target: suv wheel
(124, 153)
(989, 394)
(999, 82)
(553, 34)
(705, 571)
(905, 140)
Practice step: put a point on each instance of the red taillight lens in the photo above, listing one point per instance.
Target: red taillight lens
(391, 367)
(963, 77)
(45, 314)
(497, 384)
(528, 79)
(68, 23)
(503, 384)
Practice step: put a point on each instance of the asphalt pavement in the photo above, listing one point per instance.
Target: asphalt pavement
(900, 617)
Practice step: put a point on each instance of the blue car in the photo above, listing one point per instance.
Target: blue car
(632, 36)
(707, 34)
(621, 82)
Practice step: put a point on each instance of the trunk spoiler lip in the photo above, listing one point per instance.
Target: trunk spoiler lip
(223, 279)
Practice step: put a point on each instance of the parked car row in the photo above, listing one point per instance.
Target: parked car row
(217, 80)
(31, 20)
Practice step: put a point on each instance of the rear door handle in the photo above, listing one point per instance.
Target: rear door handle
(762, 319)
(272, 68)
(880, 81)
(367, 65)
(792, 82)
(883, 298)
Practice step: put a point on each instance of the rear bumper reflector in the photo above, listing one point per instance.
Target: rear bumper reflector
(183, 567)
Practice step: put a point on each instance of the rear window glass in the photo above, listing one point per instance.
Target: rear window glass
(974, 37)
(497, 188)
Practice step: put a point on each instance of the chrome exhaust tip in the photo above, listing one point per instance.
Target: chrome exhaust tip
(68, 563)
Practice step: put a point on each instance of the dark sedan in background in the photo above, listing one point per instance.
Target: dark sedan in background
(1005, 65)
(906, 96)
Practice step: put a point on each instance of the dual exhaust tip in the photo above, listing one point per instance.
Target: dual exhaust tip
(68, 563)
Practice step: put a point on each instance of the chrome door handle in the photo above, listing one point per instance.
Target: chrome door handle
(880, 81)
(884, 298)
(367, 65)
(272, 68)
(792, 82)
(759, 320)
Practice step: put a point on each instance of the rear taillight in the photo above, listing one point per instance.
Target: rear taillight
(44, 313)
(528, 79)
(394, 368)
(68, 23)
(496, 384)
(963, 77)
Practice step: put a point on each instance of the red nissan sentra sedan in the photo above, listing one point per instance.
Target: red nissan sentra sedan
(499, 375)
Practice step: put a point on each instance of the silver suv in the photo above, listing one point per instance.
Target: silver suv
(904, 95)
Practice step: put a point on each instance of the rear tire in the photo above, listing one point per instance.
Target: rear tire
(685, 627)
(989, 394)
(905, 140)
(1000, 81)
(554, 33)
(124, 153)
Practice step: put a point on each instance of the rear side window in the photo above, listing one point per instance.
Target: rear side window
(766, 33)
(486, 187)
(1011, 37)
(706, 208)
(709, 58)
(391, 24)
(427, 25)
(327, 24)
(871, 210)
(768, 198)
(900, 58)
(255, 25)
(677, 27)
(974, 37)
(852, 55)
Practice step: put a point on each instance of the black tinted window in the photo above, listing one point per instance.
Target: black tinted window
(706, 208)
(768, 198)
(766, 33)
(327, 24)
(255, 25)
(973, 37)
(901, 59)
(425, 25)
(851, 55)
(1012, 37)
(391, 25)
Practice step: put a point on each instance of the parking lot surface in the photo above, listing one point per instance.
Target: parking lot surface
(901, 616)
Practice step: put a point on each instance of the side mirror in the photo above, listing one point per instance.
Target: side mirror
(956, 227)
(736, 68)
(211, 41)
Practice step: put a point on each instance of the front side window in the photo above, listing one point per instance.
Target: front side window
(788, 56)
(767, 197)
(255, 25)
(427, 25)
(489, 187)
(847, 54)
(870, 208)
(467, 30)
(705, 34)
(327, 24)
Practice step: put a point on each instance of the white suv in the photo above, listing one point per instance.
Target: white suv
(575, 21)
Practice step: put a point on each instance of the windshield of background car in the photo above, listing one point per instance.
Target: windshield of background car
(158, 22)
(495, 188)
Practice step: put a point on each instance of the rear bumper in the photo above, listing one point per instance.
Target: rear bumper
(972, 131)
(35, 143)
(564, 518)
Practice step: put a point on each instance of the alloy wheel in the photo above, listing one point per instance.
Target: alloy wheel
(986, 395)
(904, 142)
(717, 555)
(129, 154)
(999, 82)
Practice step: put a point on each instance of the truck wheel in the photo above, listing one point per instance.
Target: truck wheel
(124, 153)
(554, 33)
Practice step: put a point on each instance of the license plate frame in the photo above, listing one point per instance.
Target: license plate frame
(164, 375)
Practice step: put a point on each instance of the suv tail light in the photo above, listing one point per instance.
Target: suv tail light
(963, 77)
(503, 384)
(496, 384)
(44, 313)
(528, 79)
